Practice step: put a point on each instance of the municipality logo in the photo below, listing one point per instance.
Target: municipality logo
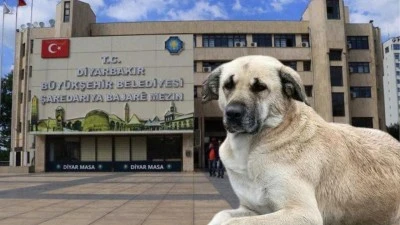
(174, 45)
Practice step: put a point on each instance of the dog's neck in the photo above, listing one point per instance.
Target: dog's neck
(292, 110)
(236, 152)
(297, 118)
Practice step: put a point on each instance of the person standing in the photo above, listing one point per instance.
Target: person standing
(211, 159)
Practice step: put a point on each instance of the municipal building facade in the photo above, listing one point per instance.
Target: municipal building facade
(93, 96)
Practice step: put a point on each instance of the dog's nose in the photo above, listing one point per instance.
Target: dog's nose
(235, 111)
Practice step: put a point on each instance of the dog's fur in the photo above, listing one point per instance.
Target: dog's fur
(287, 165)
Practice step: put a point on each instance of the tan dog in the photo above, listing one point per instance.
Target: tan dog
(287, 165)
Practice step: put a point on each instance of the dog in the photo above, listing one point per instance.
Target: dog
(289, 166)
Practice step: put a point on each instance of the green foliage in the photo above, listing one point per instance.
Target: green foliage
(5, 113)
(4, 155)
(393, 130)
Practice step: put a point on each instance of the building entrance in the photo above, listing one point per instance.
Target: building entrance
(114, 153)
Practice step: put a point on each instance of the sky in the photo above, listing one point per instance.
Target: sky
(385, 13)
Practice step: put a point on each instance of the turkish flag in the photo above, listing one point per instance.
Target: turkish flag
(21, 3)
(55, 48)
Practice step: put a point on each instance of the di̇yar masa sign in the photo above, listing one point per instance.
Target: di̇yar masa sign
(131, 79)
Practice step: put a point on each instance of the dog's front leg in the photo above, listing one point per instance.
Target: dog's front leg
(282, 217)
(227, 214)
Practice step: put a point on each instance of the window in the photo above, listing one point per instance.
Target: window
(335, 54)
(396, 55)
(263, 40)
(386, 49)
(305, 38)
(359, 67)
(23, 50)
(398, 73)
(336, 76)
(194, 41)
(223, 40)
(30, 71)
(195, 91)
(31, 47)
(306, 65)
(308, 89)
(22, 74)
(396, 46)
(292, 64)
(29, 95)
(284, 40)
(398, 65)
(332, 9)
(362, 122)
(66, 149)
(338, 104)
(212, 64)
(360, 92)
(28, 157)
(19, 127)
(20, 97)
(67, 11)
(358, 42)
(164, 147)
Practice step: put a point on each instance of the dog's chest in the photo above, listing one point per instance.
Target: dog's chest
(235, 156)
(235, 152)
(250, 193)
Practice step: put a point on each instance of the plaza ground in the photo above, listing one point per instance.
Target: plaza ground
(113, 198)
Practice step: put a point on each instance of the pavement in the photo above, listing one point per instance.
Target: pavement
(113, 198)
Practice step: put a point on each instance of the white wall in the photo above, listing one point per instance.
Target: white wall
(88, 149)
(390, 85)
(139, 148)
(121, 148)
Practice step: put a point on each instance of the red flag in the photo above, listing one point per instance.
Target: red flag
(55, 48)
(21, 3)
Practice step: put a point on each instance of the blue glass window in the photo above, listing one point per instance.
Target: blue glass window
(360, 92)
(223, 40)
(359, 67)
(284, 40)
(358, 42)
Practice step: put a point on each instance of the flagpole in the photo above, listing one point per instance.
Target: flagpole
(31, 10)
(2, 47)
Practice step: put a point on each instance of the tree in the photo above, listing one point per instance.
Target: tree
(5, 113)
(393, 130)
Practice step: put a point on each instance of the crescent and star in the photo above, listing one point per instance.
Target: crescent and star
(50, 48)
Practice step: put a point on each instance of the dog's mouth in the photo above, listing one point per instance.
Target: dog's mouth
(245, 125)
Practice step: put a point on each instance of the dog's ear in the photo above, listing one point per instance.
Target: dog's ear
(292, 85)
(211, 86)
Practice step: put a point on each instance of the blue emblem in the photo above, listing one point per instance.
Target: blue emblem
(174, 45)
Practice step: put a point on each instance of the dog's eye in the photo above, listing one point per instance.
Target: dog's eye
(230, 84)
(258, 86)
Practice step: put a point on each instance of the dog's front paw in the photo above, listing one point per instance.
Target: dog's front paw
(220, 218)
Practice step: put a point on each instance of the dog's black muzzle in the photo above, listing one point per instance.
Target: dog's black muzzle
(239, 118)
(234, 113)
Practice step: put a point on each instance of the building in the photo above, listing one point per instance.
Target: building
(126, 96)
(391, 80)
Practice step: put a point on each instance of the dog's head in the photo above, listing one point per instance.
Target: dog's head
(253, 91)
